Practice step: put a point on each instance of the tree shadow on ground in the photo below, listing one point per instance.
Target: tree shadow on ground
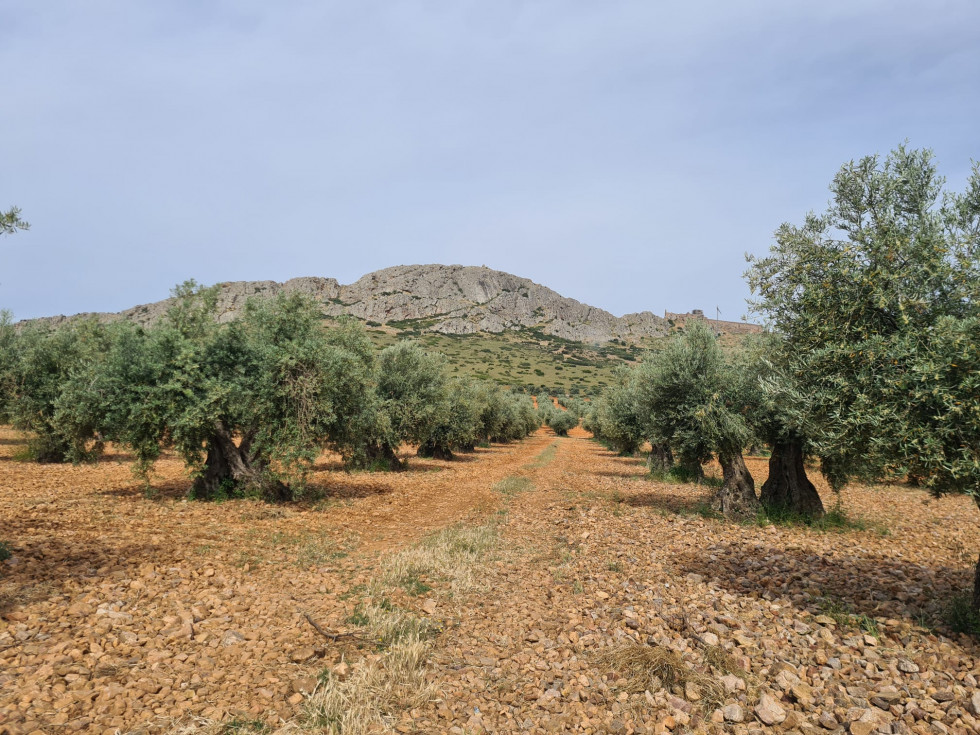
(336, 488)
(861, 583)
(681, 498)
(160, 490)
(43, 567)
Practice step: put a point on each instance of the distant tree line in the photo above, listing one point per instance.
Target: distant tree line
(249, 405)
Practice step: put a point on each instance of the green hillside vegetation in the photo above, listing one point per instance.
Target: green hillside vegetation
(529, 358)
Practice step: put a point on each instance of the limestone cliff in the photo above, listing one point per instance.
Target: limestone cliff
(451, 299)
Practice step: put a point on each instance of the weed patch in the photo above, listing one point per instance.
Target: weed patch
(960, 616)
(379, 689)
(842, 614)
(545, 457)
(835, 520)
(513, 485)
(452, 555)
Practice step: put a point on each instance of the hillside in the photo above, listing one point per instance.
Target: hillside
(445, 299)
(488, 323)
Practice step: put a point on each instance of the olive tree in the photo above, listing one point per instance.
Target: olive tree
(875, 305)
(694, 401)
(616, 416)
(41, 360)
(248, 405)
(410, 400)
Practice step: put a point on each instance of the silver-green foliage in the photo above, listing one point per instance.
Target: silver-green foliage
(876, 307)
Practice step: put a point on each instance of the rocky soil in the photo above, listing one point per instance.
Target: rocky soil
(125, 613)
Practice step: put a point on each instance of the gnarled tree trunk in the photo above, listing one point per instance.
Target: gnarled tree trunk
(788, 488)
(435, 450)
(230, 469)
(661, 458)
(381, 456)
(736, 498)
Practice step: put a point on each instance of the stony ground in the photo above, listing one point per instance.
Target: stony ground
(121, 612)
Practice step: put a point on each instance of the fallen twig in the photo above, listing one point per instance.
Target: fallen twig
(333, 637)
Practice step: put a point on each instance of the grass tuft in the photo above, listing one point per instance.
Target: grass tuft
(545, 457)
(845, 617)
(649, 668)
(375, 693)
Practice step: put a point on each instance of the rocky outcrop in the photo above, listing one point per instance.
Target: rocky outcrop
(450, 299)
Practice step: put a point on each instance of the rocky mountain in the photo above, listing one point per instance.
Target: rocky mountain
(450, 299)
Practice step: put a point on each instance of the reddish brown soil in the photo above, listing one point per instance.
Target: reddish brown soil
(121, 612)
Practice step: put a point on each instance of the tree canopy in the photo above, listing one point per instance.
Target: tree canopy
(875, 307)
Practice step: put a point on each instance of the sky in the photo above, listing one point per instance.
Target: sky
(627, 154)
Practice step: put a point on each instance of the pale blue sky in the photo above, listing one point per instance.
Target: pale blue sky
(626, 154)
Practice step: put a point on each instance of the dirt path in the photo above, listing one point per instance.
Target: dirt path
(827, 624)
(118, 610)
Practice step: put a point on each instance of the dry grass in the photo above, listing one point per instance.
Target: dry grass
(452, 555)
(723, 661)
(375, 693)
(381, 688)
(649, 668)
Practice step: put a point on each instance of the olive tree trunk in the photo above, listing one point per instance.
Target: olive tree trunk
(382, 456)
(229, 469)
(788, 488)
(736, 498)
(661, 459)
(435, 450)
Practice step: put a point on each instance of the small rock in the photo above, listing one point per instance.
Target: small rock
(769, 711)
(692, 692)
(974, 704)
(943, 695)
(733, 713)
(430, 606)
(297, 698)
(732, 683)
(888, 693)
(231, 637)
(304, 686)
(792, 721)
(859, 727)
(803, 693)
(907, 667)
(301, 654)
(828, 720)
(711, 639)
